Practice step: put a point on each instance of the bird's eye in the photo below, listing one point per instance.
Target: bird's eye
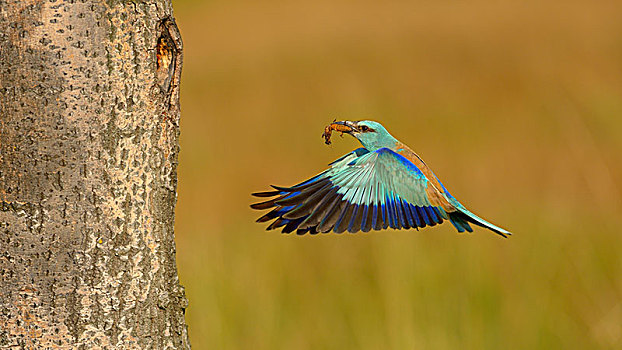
(364, 128)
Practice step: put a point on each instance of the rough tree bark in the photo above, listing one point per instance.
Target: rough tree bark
(89, 113)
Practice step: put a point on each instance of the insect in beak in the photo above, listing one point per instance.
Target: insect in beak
(341, 126)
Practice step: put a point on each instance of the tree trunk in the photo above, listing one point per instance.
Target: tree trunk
(89, 126)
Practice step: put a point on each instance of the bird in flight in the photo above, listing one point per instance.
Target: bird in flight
(383, 184)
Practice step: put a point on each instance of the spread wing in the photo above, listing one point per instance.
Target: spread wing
(360, 191)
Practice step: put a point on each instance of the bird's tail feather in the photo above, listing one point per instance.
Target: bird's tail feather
(462, 217)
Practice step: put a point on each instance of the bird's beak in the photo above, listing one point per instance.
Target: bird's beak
(351, 126)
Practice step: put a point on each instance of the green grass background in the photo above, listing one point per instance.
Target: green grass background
(517, 107)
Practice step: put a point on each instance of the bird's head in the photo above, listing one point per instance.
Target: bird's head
(372, 135)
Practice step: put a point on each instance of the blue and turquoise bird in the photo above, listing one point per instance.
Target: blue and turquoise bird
(383, 184)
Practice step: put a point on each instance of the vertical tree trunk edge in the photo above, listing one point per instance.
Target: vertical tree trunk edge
(89, 143)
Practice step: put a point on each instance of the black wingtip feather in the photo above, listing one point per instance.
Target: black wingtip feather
(263, 205)
(266, 194)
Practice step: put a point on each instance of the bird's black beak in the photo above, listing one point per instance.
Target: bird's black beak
(351, 125)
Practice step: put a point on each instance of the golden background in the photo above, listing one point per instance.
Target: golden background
(516, 105)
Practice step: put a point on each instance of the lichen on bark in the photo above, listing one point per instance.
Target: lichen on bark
(89, 127)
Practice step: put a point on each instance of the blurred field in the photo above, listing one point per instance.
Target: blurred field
(517, 106)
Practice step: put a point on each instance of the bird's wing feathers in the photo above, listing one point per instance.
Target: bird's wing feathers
(360, 191)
